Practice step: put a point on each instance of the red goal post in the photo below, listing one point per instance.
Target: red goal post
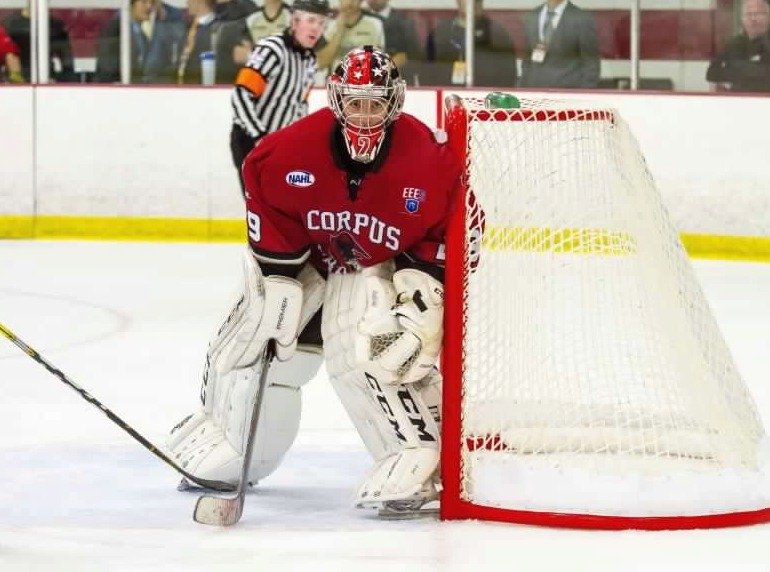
(586, 383)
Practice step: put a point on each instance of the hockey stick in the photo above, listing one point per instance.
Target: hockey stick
(227, 510)
(216, 485)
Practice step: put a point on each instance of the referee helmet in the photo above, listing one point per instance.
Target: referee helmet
(314, 6)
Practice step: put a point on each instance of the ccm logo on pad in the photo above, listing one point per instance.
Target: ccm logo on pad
(300, 178)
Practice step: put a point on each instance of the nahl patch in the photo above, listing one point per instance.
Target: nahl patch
(300, 178)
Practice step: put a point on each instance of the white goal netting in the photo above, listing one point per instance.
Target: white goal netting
(595, 379)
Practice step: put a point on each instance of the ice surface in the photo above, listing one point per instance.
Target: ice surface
(130, 323)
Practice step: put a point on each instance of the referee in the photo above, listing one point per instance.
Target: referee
(271, 90)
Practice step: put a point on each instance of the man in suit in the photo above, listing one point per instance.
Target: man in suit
(494, 56)
(153, 57)
(744, 63)
(561, 47)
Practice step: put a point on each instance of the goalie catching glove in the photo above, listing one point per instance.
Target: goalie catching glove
(405, 340)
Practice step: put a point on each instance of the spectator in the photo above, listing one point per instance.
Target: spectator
(400, 32)
(561, 47)
(199, 39)
(153, 58)
(61, 68)
(272, 18)
(168, 12)
(171, 22)
(9, 58)
(165, 13)
(236, 39)
(494, 53)
(230, 10)
(352, 28)
(744, 64)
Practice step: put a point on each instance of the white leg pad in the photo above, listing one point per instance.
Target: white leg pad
(210, 443)
(396, 423)
(212, 451)
(399, 476)
(200, 448)
(410, 466)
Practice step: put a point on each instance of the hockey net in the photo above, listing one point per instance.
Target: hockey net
(586, 381)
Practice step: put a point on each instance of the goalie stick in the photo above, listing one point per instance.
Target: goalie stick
(147, 444)
(227, 510)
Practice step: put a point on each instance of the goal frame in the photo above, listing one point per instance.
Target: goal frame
(453, 506)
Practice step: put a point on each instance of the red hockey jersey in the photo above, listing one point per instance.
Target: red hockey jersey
(300, 204)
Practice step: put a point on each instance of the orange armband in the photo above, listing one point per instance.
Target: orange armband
(251, 80)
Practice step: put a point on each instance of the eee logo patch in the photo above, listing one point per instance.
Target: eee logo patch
(413, 198)
(300, 178)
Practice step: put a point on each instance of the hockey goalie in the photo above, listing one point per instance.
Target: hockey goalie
(347, 210)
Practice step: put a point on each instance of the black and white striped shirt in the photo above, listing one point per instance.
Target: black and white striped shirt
(271, 90)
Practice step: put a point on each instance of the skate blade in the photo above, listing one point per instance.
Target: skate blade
(409, 514)
(187, 486)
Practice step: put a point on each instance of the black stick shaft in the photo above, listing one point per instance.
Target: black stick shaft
(147, 444)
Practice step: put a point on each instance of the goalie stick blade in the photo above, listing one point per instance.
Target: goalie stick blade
(218, 511)
(226, 511)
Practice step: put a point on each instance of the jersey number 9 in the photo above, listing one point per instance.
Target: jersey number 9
(255, 231)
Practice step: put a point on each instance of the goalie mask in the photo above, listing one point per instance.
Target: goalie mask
(366, 94)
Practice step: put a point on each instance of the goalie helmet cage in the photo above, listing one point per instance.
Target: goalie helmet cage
(586, 383)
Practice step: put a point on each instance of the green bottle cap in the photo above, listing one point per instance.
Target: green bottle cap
(501, 100)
